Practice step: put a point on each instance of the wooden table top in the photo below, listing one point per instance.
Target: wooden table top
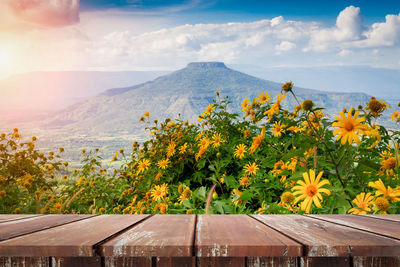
(199, 235)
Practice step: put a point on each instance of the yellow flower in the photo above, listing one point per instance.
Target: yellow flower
(393, 194)
(159, 192)
(275, 107)
(158, 176)
(396, 116)
(240, 150)
(257, 141)
(204, 142)
(183, 148)
(376, 106)
(349, 127)
(236, 194)
(245, 104)
(389, 163)
(209, 109)
(171, 149)
(201, 152)
(115, 157)
(162, 164)
(185, 195)
(244, 181)
(263, 98)
(363, 202)
(382, 204)
(216, 140)
(251, 168)
(147, 114)
(143, 165)
(287, 197)
(278, 129)
(310, 190)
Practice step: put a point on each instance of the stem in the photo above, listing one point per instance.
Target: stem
(210, 197)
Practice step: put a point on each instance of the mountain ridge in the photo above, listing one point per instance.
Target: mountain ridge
(187, 92)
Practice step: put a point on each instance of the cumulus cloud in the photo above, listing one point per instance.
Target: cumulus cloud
(349, 27)
(382, 34)
(350, 32)
(52, 13)
(226, 42)
(285, 46)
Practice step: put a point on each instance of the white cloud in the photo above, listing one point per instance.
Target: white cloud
(350, 32)
(285, 46)
(349, 27)
(382, 34)
(228, 42)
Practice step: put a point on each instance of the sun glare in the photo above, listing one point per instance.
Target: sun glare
(4, 57)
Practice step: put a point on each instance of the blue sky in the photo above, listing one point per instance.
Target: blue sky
(292, 9)
(166, 35)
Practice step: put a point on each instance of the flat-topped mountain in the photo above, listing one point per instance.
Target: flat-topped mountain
(187, 92)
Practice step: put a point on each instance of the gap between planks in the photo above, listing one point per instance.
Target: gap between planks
(303, 246)
(354, 227)
(96, 246)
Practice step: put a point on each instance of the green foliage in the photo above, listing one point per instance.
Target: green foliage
(270, 161)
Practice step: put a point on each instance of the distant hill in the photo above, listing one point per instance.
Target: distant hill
(379, 82)
(29, 95)
(186, 92)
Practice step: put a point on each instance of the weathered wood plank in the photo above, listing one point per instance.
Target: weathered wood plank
(391, 217)
(175, 261)
(325, 261)
(69, 240)
(325, 239)
(76, 261)
(12, 217)
(128, 261)
(371, 224)
(221, 261)
(240, 236)
(24, 262)
(271, 262)
(159, 236)
(33, 224)
(376, 261)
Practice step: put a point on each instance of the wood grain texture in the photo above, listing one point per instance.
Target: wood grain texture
(175, 261)
(12, 217)
(160, 235)
(69, 240)
(221, 261)
(391, 217)
(325, 261)
(127, 261)
(76, 261)
(24, 262)
(370, 224)
(325, 239)
(33, 224)
(376, 261)
(271, 262)
(240, 236)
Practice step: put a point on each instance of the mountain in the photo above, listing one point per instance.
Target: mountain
(110, 120)
(186, 92)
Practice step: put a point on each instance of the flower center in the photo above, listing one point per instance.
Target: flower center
(311, 190)
(349, 126)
